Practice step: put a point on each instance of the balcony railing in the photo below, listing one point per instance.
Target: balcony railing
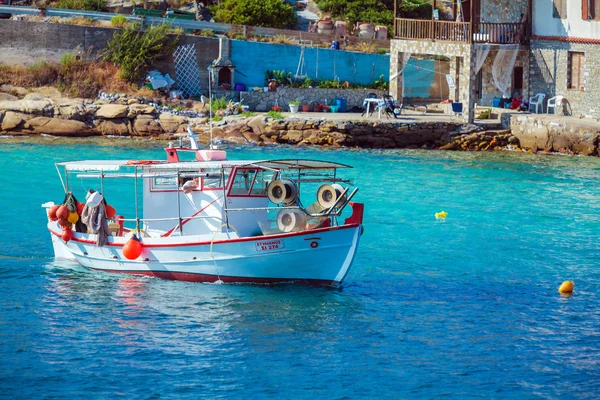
(481, 32)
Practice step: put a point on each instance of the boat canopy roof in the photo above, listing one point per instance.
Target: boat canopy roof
(115, 165)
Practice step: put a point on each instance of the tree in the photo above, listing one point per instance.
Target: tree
(268, 13)
(134, 50)
(375, 11)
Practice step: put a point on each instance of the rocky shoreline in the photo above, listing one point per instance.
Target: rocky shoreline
(36, 114)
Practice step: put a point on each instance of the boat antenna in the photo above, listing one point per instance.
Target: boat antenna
(210, 115)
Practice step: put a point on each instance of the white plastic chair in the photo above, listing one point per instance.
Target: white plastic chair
(537, 101)
(555, 103)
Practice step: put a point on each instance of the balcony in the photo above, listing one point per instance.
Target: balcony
(465, 32)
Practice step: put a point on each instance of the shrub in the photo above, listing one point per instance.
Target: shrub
(119, 21)
(276, 109)
(88, 5)
(134, 50)
(220, 103)
(269, 13)
(275, 114)
(380, 83)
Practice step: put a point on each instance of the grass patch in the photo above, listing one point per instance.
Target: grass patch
(248, 114)
(119, 21)
(74, 78)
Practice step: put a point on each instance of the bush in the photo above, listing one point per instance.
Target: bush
(269, 13)
(134, 51)
(119, 21)
(379, 12)
(88, 5)
(275, 115)
(220, 103)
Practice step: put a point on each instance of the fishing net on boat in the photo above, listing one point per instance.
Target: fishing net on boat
(502, 68)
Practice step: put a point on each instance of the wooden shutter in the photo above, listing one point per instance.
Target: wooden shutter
(577, 61)
(581, 57)
(585, 9)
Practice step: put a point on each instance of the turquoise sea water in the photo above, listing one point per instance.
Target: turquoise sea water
(462, 308)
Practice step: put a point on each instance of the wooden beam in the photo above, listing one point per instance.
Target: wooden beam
(395, 15)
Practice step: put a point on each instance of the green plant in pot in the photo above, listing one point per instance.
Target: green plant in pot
(294, 105)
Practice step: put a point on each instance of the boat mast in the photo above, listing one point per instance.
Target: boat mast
(210, 115)
(179, 205)
(137, 217)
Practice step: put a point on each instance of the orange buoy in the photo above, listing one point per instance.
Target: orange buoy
(80, 207)
(566, 287)
(73, 217)
(132, 249)
(52, 213)
(62, 212)
(64, 223)
(67, 234)
(110, 212)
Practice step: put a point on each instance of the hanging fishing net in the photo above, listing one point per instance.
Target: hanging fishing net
(502, 68)
(481, 53)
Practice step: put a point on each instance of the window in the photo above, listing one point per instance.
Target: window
(262, 180)
(590, 9)
(575, 71)
(559, 9)
(242, 182)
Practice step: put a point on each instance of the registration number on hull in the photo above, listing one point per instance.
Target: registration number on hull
(269, 245)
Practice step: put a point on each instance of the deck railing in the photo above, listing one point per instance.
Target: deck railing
(466, 32)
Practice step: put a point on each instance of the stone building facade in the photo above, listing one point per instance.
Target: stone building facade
(565, 54)
(489, 23)
(550, 70)
(461, 59)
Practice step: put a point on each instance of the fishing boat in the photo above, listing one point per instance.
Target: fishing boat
(197, 216)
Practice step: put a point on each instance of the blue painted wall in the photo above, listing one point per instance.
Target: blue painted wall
(252, 59)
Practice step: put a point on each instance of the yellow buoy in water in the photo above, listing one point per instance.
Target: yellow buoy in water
(566, 287)
(441, 215)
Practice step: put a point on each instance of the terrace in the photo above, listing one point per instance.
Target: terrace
(467, 32)
(470, 21)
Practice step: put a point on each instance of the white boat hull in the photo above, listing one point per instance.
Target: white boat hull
(319, 256)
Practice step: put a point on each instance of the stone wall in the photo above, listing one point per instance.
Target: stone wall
(489, 90)
(549, 64)
(548, 133)
(263, 101)
(502, 11)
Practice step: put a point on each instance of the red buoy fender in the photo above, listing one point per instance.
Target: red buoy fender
(132, 249)
(67, 234)
(62, 212)
(80, 207)
(52, 213)
(110, 211)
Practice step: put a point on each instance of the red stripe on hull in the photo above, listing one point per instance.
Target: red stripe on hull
(188, 277)
(237, 240)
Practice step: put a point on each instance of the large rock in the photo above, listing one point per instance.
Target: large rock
(118, 127)
(71, 109)
(59, 127)
(9, 97)
(172, 123)
(257, 124)
(146, 125)
(11, 121)
(37, 105)
(10, 105)
(140, 109)
(110, 111)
